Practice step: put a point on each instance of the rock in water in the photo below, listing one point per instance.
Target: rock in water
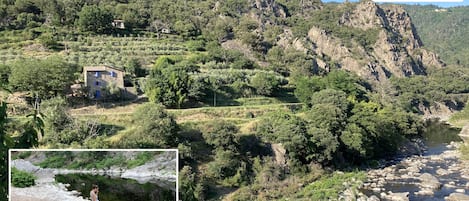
(457, 197)
(429, 181)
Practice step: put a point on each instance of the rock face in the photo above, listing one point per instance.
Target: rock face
(162, 167)
(397, 50)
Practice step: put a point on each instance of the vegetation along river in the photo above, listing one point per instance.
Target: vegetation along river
(433, 175)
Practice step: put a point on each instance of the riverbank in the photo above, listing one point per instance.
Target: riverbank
(435, 172)
(161, 171)
(46, 189)
(433, 176)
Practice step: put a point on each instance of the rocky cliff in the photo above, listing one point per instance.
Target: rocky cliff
(394, 47)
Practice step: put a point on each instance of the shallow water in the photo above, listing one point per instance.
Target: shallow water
(437, 137)
(118, 189)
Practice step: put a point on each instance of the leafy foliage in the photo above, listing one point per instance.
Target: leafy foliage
(47, 78)
(168, 83)
(156, 128)
(22, 179)
(96, 19)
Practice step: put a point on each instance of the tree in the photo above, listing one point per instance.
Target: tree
(265, 83)
(325, 143)
(292, 133)
(221, 135)
(187, 184)
(5, 72)
(5, 144)
(331, 96)
(168, 84)
(34, 128)
(46, 78)
(134, 68)
(96, 19)
(155, 128)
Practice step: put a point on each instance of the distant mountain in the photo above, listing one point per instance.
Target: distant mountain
(443, 30)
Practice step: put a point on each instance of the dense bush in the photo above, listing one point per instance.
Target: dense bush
(154, 128)
(168, 83)
(22, 179)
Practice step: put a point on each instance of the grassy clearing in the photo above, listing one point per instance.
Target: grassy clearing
(460, 119)
(329, 186)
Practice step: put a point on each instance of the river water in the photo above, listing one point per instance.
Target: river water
(118, 189)
(440, 160)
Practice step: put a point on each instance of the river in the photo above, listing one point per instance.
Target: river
(119, 189)
(434, 175)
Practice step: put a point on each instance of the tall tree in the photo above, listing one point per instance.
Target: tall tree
(96, 19)
(46, 78)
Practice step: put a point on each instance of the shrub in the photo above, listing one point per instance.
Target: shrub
(265, 83)
(47, 40)
(22, 179)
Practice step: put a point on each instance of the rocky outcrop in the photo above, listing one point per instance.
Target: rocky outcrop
(269, 6)
(163, 167)
(397, 51)
(365, 16)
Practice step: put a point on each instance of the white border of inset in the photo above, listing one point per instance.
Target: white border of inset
(160, 150)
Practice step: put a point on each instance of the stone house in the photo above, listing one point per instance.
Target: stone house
(99, 78)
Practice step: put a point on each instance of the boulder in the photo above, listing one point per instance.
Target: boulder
(429, 181)
(457, 197)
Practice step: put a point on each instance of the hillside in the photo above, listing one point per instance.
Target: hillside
(443, 31)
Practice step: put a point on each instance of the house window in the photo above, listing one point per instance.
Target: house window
(113, 74)
(97, 94)
(97, 74)
(97, 83)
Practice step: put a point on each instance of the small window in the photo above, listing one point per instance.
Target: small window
(113, 74)
(97, 94)
(97, 83)
(97, 74)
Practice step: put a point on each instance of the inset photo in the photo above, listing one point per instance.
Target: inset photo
(96, 175)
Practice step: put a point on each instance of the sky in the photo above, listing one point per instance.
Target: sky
(440, 3)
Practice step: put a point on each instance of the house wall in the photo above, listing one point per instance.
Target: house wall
(104, 79)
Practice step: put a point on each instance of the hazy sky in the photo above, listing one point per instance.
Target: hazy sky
(441, 3)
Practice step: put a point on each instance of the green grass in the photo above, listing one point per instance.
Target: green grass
(94, 160)
(22, 179)
(56, 161)
(329, 186)
(464, 151)
(461, 118)
(140, 159)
